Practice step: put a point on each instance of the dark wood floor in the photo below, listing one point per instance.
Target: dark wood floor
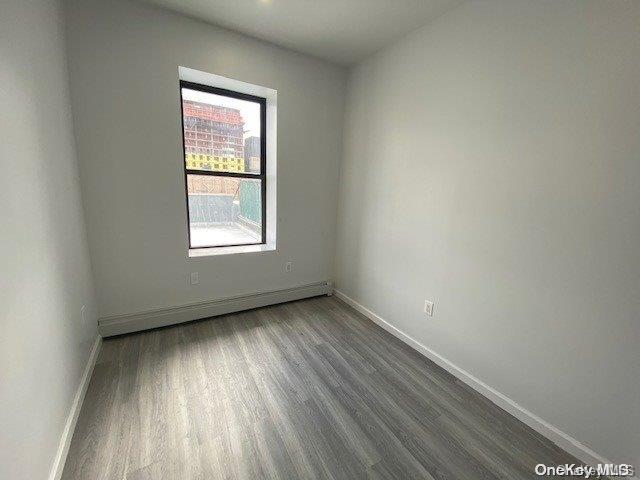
(309, 389)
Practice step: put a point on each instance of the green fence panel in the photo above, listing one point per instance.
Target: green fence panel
(250, 200)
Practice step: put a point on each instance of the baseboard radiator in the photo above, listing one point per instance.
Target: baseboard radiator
(112, 325)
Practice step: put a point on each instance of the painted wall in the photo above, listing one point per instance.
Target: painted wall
(45, 271)
(124, 59)
(492, 164)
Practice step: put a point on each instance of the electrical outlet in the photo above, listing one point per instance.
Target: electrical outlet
(288, 266)
(428, 308)
(83, 314)
(194, 279)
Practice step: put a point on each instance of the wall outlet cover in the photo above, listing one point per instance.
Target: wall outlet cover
(428, 308)
(194, 279)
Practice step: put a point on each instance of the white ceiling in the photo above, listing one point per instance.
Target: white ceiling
(341, 31)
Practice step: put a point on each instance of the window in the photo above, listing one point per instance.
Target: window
(224, 142)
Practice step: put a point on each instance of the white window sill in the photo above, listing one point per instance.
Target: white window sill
(209, 252)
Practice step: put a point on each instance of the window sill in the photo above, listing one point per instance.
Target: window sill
(214, 251)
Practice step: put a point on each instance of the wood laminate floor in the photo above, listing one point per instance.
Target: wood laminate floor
(309, 389)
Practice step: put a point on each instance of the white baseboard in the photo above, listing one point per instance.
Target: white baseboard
(120, 324)
(557, 436)
(76, 406)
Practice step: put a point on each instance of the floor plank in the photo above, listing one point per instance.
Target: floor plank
(308, 389)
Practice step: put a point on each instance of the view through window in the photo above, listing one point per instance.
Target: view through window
(224, 161)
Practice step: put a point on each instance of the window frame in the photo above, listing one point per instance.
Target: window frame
(262, 176)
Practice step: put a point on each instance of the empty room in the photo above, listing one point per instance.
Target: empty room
(319, 239)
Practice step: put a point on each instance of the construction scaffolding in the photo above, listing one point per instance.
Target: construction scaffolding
(213, 137)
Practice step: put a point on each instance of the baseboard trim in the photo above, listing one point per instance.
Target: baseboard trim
(72, 419)
(557, 436)
(121, 324)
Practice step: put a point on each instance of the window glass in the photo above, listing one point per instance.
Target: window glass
(224, 166)
(224, 211)
(221, 133)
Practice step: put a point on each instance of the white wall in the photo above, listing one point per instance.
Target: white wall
(492, 164)
(124, 60)
(45, 273)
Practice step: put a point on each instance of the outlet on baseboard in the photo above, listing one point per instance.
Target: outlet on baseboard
(194, 279)
(428, 308)
(288, 266)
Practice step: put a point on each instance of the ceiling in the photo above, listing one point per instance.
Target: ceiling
(341, 31)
